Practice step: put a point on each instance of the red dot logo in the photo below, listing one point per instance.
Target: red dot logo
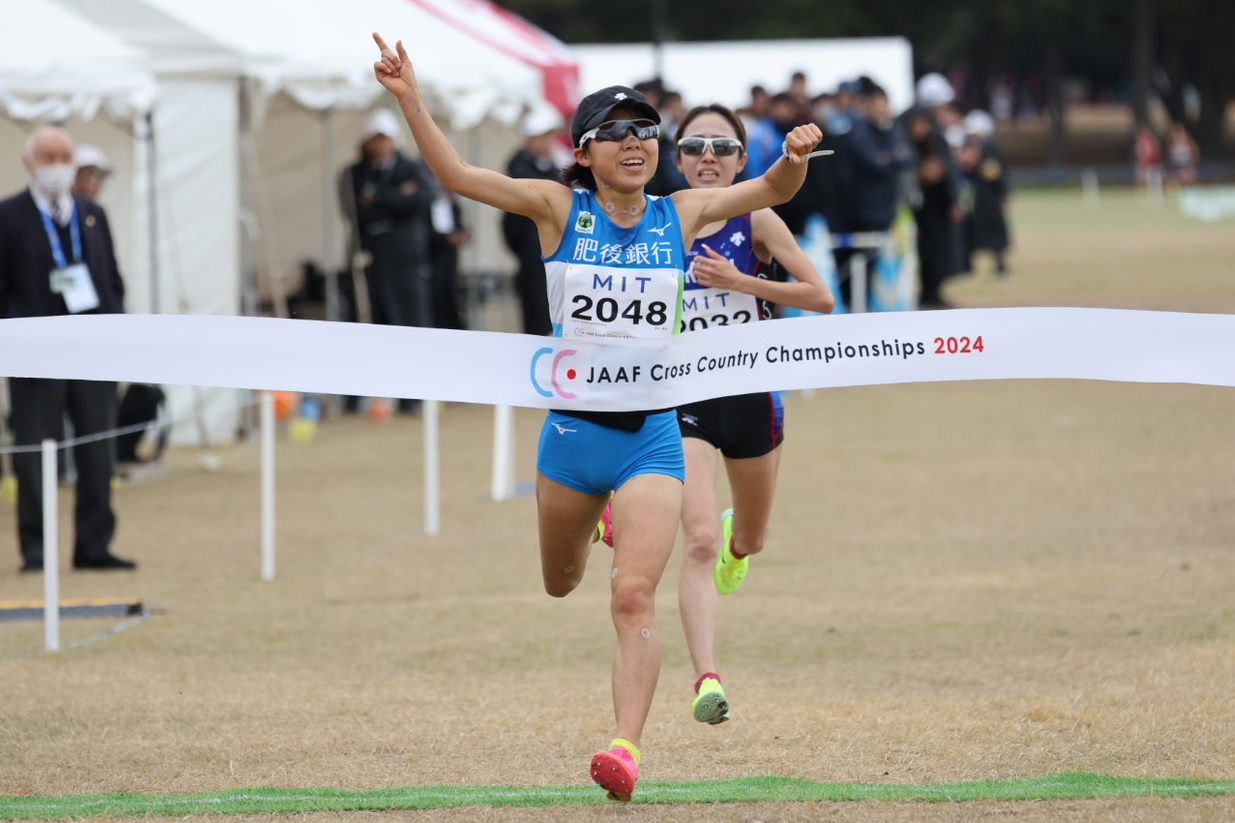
(570, 374)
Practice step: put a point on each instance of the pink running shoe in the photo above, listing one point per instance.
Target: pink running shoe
(616, 771)
(606, 525)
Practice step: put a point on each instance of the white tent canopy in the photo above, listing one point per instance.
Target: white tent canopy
(723, 72)
(320, 53)
(75, 69)
(500, 29)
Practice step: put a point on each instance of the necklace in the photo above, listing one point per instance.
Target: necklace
(612, 209)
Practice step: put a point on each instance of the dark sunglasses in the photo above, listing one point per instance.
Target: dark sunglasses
(615, 131)
(720, 146)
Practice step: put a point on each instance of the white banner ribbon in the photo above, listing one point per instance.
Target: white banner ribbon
(540, 372)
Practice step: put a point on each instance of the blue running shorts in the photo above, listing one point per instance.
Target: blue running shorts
(594, 459)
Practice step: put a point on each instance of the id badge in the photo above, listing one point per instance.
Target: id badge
(442, 215)
(73, 283)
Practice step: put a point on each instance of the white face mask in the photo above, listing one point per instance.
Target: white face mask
(54, 181)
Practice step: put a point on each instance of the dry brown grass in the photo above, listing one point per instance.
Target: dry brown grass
(965, 581)
(1208, 810)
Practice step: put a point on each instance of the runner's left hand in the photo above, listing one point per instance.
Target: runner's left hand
(717, 271)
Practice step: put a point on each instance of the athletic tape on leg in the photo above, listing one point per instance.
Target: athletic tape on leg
(540, 372)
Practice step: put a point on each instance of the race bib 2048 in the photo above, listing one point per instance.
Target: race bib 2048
(610, 301)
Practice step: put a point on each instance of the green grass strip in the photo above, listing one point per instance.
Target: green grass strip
(753, 789)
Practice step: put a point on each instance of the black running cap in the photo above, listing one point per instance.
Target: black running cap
(594, 109)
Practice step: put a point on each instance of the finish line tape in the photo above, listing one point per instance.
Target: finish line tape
(539, 372)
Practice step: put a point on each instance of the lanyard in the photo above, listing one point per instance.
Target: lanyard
(57, 251)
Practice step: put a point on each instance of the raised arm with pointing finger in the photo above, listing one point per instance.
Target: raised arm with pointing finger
(546, 203)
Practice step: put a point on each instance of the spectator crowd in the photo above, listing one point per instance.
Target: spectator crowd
(934, 160)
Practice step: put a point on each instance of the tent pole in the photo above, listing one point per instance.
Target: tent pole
(152, 211)
(330, 239)
(249, 299)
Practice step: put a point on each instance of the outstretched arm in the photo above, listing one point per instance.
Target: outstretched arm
(699, 207)
(545, 202)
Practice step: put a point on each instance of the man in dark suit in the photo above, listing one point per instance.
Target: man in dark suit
(56, 257)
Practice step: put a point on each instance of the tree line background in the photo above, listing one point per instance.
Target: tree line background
(1181, 51)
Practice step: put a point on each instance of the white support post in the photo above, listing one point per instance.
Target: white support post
(1089, 185)
(268, 513)
(433, 474)
(502, 484)
(1155, 185)
(857, 283)
(907, 286)
(51, 550)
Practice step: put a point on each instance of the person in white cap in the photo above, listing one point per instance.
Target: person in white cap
(935, 93)
(388, 197)
(92, 170)
(935, 209)
(984, 192)
(934, 90)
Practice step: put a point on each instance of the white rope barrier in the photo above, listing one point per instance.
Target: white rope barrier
(87, 438)
(151, 426)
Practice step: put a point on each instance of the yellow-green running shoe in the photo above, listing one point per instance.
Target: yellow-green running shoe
(711, 706)
(730, 571)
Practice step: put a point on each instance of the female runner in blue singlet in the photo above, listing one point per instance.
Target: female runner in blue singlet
(638, 456)
(725, 285)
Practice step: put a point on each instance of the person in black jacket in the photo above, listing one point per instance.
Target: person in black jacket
(877, 155)
(538, 159)
(984, 192)
(936, 210)
(390, 197)
(56, 257)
